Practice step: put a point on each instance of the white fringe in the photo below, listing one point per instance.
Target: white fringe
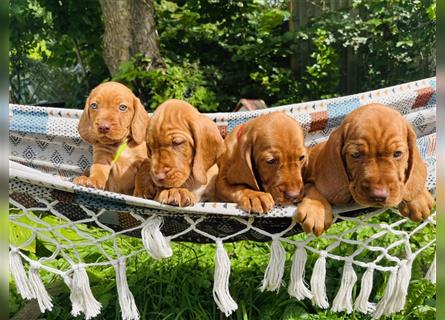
(221, 293)
(82, 299)
(318, 285)
(362, 303)
(297, 287)
(154, 241)
(19, 274)
(38, 288)
(431, 273)
(343, 299)
(275, 269)
(129, 311)
(389, 291)
(398, 299)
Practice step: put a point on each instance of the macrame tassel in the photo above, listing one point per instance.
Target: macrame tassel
(297, 287)
(81, 297)
(431, 273)
(318, 285)
(37, 286)
(129, 310)
(343, 299)
(275, 269)
(221, 293)
(154, 241)
(389, 291)
(362, 303)
(19, 274)
(398, 299)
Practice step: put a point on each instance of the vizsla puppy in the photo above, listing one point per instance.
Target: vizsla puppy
(114, 122)
(371, 158)
(183, 147)
(263, 163)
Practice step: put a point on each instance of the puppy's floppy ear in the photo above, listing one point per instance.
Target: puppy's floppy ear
(240, 168)
(209, 146)
(332, 178)
(140, 121)
(415, 174)
(84, 124)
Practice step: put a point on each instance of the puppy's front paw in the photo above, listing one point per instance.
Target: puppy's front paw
(314, 216)
(256, 201)
(88, 182)
(143, 191)
(177, 197)
(418, 208)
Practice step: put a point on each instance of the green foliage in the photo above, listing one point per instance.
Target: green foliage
(185, 81)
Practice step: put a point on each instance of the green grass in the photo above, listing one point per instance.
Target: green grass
(181, 287)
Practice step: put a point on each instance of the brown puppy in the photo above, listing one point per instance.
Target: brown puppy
(262, 164)
(113, 115)
(183, 147)
(371, 158)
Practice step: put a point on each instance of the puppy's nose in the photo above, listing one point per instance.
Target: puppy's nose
(378, 194)
(104, 127)
(160, 175)
(292, 194)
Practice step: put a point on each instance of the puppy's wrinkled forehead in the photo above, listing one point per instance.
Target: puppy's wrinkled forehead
(277, 130)
(170, 119)
(111, 94)
(375, 126)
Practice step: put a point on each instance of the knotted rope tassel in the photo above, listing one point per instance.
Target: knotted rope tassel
(221, 293)
(129, 311)
(38, 288)
(297, 287)
(343, 299)
(431, 273)
(318, 285)
(362, 303)
(275, 269)
(154, 241)
(19, 274)
(82, 299)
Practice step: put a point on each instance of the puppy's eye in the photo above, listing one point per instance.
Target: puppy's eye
(271, 161)
(123, 108)
(356, 155)
(301, 158)
(176, 143)
(397, 154)
(93, 106)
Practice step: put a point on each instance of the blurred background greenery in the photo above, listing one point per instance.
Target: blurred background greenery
(213, 53)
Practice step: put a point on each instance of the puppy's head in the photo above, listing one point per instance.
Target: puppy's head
(270, 155)
(183, 144)
(112, 113)
(377, 150)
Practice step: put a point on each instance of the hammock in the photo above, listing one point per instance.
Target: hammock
(46, 152)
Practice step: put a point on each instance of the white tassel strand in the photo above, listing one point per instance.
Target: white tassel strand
(275, 269)
(154, 241)
(19, 274)
(82, 299)
(37, 286)
(398, 299)
(362, 303)
(129, 310)
(431, 273)
(221, 293)
(389, 291)
(297, 287)
(318, 285)
(343, 299)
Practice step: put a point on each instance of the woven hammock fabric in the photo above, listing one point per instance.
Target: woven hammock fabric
(46, 152)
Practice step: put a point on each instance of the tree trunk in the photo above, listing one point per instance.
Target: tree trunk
(129, 29)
